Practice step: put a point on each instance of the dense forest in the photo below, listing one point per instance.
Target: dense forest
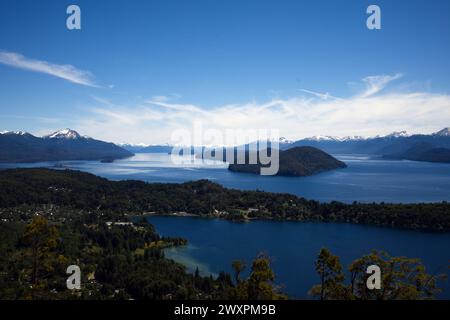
(85, 191)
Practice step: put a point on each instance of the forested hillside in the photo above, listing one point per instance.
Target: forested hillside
(85, 191)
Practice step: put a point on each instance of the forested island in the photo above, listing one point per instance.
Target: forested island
(295, 162)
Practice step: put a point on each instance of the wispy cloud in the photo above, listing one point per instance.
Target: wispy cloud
(324, 96)
(66, 72)
(369, 112)
(377, 83)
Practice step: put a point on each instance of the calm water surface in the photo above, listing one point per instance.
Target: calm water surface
(214, 244)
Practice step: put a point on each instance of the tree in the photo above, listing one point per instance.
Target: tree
(238, 267)
(41, 239)
(260, 283)
(401, 278)
(331, 276)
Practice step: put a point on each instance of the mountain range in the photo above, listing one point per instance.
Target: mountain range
(395, 143)
(379, 145)
(20, 146)
(396, 146)
(61, 145)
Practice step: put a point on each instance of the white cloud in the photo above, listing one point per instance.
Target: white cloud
(66, 72)
(324, 96)
(367, 113)
(377, 83)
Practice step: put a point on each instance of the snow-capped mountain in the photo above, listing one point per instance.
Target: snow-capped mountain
(321, 138)
(443, 133)
(66, 144)
(19, 133)
(285, 140)
(398, 134)
(395, 142)
(141, 145)
(64, 134)
(352, 138)
(334, 138)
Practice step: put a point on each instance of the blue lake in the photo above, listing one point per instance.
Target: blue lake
(293, 246)
(213, 244)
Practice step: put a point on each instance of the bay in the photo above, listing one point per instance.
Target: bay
(294, 246)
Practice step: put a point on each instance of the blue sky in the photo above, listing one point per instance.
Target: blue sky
(143, 68)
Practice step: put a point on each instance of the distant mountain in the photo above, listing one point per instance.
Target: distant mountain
(167, 148)
(64, 134)
(394, 143)
(443, 133)
(61, 145)
(298, 161)
(143, 148)
(423, 151)
(398, 134)
(157, 149)
(134, 148)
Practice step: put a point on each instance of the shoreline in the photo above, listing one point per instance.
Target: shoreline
(271, 219)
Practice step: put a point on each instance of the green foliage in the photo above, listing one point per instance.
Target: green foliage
(238, 267)
(118, 261)
(331, 276)
(84, 191)
(260, 283)
(401, 278)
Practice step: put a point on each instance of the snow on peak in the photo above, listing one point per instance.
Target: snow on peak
(64, 134)
(323, 138)
(141, 145)
(398, 134)
(334, 138)
(352, 138)
(20, 133)
(285, 140)
(443, 133)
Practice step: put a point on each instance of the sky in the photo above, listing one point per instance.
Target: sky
(139, 70)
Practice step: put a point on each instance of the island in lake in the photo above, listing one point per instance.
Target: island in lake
(296, 162)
